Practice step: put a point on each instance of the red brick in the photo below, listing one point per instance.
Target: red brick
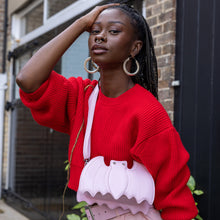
(150, 2)
(158, 51)
(164, 61)
(164, 93)
(152, 21)
(168, 49)
(163, 83)
(157, 30)
(169, 15)
(165, 39)
(156, 9)
(168, 105)
(149, 12)
(169, 26)
(169, 4)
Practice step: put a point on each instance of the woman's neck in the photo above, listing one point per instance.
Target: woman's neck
(113, 83)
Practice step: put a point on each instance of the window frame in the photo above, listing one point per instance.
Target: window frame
(73, 10)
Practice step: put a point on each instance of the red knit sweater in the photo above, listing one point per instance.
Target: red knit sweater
(131, 126)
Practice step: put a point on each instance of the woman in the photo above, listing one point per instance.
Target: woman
(129, 123)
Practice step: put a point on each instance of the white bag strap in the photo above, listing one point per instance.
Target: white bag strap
(87, 138)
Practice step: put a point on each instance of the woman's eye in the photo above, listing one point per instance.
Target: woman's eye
(114, 31)
(94, 31)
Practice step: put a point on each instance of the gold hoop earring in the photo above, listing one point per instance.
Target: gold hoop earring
(125, 69)
(93, 64)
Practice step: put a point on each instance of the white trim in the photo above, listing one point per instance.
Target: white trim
(144, 9)
(16, 27)
(3, 87)
(10, 162)
(23, 22)
(30, 8)
(45, 11)
(61, 17)
(19, 22)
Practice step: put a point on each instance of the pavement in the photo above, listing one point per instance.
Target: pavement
(8, 213)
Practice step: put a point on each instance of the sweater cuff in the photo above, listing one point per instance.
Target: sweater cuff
(33, 96)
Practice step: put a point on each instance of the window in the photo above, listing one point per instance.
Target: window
(73, 59)
(54, 6)
(32, 20)
(41, 16)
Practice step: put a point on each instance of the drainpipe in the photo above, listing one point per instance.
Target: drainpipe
(5, 37)
(3, 87)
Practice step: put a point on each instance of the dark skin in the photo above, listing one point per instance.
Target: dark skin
(117, 41)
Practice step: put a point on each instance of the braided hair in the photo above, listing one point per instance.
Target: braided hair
(147, 77)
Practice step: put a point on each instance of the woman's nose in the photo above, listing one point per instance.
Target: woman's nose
(101, 37)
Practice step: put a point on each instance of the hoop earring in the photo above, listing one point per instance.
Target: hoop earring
(93, 64)
(125, 69)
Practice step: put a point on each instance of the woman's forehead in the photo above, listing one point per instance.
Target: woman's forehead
(113, 14)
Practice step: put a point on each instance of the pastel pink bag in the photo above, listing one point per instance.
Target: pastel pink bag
(114, 185)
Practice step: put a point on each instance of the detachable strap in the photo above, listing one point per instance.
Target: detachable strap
(87, 138)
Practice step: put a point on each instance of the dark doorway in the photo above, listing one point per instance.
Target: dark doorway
(197, 103)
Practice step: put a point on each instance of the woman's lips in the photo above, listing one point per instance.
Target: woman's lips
(98, 49)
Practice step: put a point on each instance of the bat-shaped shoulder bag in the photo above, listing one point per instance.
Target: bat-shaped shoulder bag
(115, 185)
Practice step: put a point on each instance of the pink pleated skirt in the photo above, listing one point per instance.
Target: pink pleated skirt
(104, 213)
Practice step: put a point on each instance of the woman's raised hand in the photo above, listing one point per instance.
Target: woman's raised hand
(31, 75)
(90, 18)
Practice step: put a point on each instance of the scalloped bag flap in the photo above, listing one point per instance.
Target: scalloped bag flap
(118, 178)
(116, 185)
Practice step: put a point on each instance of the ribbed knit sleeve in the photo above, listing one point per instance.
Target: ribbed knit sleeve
(166, 159)
(54, 103)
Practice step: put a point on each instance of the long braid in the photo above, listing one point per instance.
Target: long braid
(148, 75)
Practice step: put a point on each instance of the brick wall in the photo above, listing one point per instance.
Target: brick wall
(2, 5)
(161, 17)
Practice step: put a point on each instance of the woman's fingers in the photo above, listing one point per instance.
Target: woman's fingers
(92, 15)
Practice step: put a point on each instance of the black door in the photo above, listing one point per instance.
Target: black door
(197, 100)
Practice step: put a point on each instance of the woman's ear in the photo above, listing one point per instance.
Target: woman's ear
(137, 45)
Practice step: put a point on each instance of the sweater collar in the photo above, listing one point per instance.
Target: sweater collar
(118, 100)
